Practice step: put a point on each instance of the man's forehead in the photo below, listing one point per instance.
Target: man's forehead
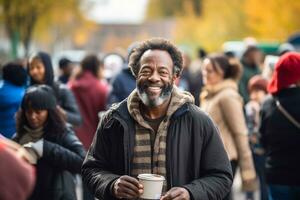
(155, 53)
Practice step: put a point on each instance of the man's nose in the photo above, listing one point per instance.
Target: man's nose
(154, 76)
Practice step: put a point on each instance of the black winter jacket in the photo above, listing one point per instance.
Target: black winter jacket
(62, 158)
(67, 101)
(196, 159)
(281, 139)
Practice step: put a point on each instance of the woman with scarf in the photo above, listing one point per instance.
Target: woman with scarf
(221, 100)
(58, 153)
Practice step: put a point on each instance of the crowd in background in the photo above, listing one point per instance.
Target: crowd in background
(254, 103)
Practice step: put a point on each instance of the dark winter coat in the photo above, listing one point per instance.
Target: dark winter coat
(281, 139)
(62, 158)
(195, 155)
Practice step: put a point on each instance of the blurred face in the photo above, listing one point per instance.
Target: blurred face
(155, 78)
(257, 95)
(68, 69)
(37, 70)
(210, 75)
(36, 118)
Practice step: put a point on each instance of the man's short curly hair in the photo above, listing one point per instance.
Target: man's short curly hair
(158, 44)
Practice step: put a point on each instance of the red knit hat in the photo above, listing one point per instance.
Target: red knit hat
(287, 72)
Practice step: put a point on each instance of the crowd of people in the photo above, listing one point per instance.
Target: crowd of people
(197, 122)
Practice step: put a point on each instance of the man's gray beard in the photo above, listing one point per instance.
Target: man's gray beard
(156, 102)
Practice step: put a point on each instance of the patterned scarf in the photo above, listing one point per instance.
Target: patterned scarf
(147, 159)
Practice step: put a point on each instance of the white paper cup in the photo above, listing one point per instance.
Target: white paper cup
(153, 184)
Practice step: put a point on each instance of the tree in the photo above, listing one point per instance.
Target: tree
(272, 19)
(169, 8)
(21, 18)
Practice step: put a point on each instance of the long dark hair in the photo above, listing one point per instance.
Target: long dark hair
(41, 97)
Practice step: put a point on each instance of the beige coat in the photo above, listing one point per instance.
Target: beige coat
(224, 104)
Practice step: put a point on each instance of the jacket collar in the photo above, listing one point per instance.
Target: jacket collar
(122, 110)
(211, 90)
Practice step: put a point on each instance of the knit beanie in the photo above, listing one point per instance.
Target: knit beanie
(287, 72)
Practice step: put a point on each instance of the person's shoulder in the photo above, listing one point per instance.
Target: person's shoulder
(119, 109)
(197, 113)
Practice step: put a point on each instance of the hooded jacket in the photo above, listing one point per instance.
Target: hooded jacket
(195, 155)
(64, 96)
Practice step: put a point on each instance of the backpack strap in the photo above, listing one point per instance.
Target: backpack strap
(287, 115)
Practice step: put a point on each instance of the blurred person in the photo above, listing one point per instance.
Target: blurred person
(91, 94)
(124, 83)
(221, 100)
(196, 80)
(285, 48)
(159, 130)
(280, 129)
(113, 64)
(268, 66)
(251, 61)
(183, 80)
(257, 88)
(12, 89)
(40, 71)
(66, 68)
(17, 176)
(42, 130)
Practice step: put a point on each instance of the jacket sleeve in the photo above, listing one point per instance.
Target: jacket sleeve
(68, 155)
(96, 169)
(216, 174)
(232, 110)
(69, 104)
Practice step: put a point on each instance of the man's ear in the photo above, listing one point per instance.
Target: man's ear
(175, 76)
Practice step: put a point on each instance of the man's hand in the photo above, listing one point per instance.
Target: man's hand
(176, 193)
(127, 187)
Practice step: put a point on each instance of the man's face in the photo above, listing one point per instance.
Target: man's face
(155, 78)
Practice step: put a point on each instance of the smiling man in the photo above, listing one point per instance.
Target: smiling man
(157, 130)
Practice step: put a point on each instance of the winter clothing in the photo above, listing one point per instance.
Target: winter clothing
(62, 157)
(281, 138)
(195, 156)
(91, 95)
(64, 96)
(10, 100)
(153, 160)
(286, 73)
(122, 86)
(248, 72)
(225, 106)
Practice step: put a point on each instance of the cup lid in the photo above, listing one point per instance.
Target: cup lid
(151, 177)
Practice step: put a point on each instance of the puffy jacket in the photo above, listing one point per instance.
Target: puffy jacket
(10, 100)
(67, 101)
(195, 157)
(62, 157)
